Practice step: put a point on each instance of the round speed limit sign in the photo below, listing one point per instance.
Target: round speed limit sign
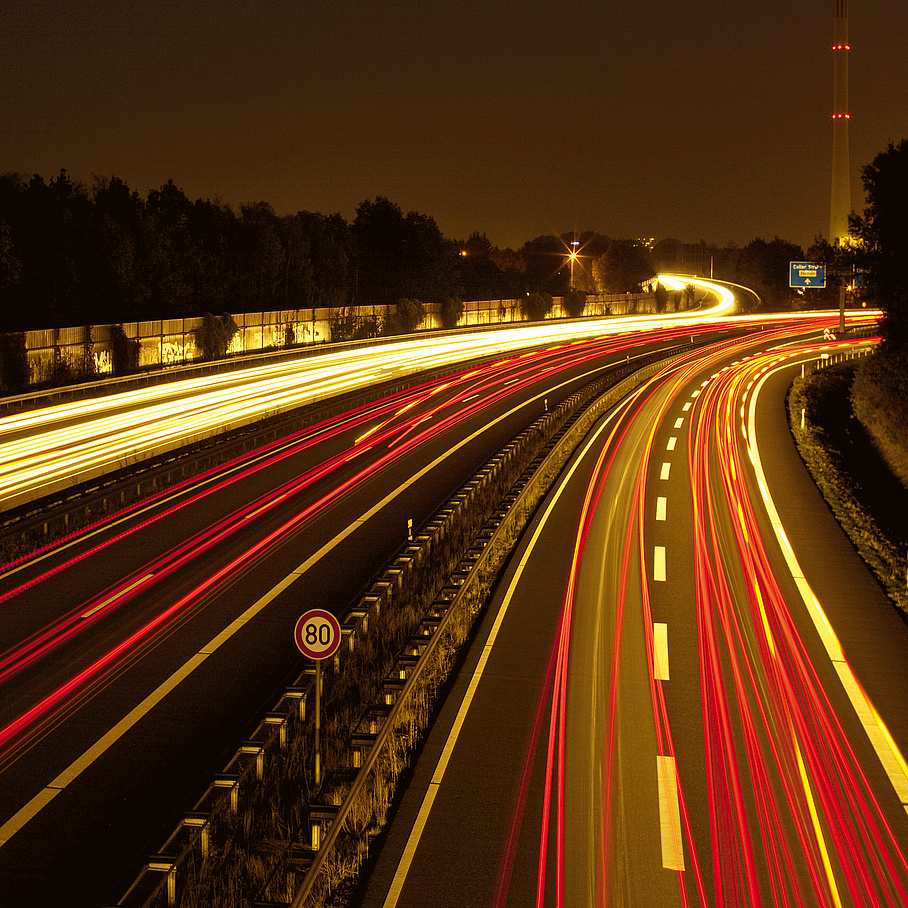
(317, 634)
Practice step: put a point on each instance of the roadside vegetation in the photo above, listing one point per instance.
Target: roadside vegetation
(867, 499)
(855, 437)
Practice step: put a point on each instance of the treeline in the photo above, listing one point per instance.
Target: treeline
(77, 255)
(879, 394)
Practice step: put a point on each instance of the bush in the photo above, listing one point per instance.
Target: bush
(214, 335)
(878, 397)
(451, 312)
(124, 351)
(575, 303)
(537, 306)
(346, 327)
(406, 317)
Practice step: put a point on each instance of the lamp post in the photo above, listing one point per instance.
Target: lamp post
(573, 256)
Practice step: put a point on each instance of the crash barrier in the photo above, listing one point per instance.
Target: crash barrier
(451, 564)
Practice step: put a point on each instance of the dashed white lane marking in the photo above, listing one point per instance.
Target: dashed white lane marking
(669, 814)
(671, 443)
(659, 563)
(666, 469)
(686, 407)
(679, 422)
(661, 506)
(660, 652)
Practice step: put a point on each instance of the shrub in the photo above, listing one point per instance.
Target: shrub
(406, 317)
(346, 327)
(537, 306)
(575, 303)
(214, 335)
(879, 402)
(124, 351)
(451, 312)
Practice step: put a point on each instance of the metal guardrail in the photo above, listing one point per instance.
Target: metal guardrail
(157, 882)
(495, 549)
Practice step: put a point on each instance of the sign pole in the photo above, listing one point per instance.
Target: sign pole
(318, 722)
(318, 636)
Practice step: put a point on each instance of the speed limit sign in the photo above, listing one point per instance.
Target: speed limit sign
(317, 634)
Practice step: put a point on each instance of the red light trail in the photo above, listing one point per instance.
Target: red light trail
(792, 819)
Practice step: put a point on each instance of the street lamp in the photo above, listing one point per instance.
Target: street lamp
(573, 256)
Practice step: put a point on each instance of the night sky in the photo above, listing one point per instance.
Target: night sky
(697, 119)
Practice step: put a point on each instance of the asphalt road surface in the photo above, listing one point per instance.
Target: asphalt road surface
(687, 690)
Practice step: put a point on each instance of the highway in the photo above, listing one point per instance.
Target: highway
(48, 450)
(135, 654)
(688, 689)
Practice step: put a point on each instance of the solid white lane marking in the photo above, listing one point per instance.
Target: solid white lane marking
(666, 469)
(669, 814)
(33, 807)
(659, 563)
(661, 506)
(887, 750)
(660, 652)
(671, 443)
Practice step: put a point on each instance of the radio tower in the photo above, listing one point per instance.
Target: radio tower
(840, 206)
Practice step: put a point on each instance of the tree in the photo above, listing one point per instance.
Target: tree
(124, 351)
(480, 275)
(266, 260)
(765, 267)
(330, 255)
(623, 266)
(117, 266)
(401, 257)
(546, 265)
(214, 335)
(880, 391)
(536, 306)
(406, 316)
(15, 372)
(451, 312)
(882, 234)
(574, 303)
(170, 252)
(838, 261)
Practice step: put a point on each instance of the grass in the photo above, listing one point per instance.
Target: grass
(866, 498)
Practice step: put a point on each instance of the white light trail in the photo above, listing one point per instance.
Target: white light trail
(50, 449)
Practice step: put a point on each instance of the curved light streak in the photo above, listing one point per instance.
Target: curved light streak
(53, 448)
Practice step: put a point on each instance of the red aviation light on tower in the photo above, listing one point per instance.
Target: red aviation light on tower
(840, 200)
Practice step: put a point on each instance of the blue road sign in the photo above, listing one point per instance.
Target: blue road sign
(807, 274)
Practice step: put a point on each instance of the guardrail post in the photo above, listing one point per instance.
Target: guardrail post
(162, 863)
(320, 818)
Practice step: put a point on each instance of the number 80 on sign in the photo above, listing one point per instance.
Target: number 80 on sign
(317, 634)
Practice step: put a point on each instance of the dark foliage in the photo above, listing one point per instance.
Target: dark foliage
(15, 373)
(124, 351)
(536, 306)
(213, 336)
(882, 232)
